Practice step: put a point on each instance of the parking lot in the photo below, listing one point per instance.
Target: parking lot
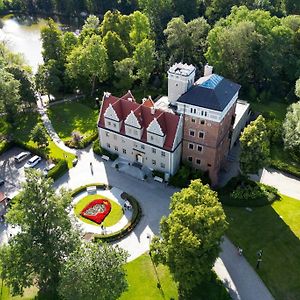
(13, 173)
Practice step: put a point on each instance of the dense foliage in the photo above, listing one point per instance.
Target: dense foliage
(190, 235)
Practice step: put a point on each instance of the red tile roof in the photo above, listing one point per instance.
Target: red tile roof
(145, 115)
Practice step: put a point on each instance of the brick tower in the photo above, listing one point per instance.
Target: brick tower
(208, 107)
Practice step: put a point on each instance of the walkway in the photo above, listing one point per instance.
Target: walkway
(285, 183)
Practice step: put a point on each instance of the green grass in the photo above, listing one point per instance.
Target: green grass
(277, 108)
(73, 116)
(275, 229)
(29, 294)
(112, 218)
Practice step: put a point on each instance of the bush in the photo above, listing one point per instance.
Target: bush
(158, 174)
(60, 169)
(101, 151)
(43, 152)
(286, 168)
(185, 174)
(137, 214)
(241, 191)
(83, 187)
(78, 143)
(4, 146)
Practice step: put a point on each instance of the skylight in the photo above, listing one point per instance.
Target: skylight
(212, 82)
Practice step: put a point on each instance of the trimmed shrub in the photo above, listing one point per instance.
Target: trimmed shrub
(60, 169)
(101, 151)
(82, 143)
(241, 191)
(286, 168)
(158, 174)
(185, 174)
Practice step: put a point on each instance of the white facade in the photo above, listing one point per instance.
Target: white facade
(180, 78)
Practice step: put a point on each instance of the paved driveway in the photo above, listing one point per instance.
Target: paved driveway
(13, 173)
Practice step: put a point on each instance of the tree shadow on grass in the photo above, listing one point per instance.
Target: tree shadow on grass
(264, 229)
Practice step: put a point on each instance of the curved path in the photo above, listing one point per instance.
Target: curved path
(235, 272)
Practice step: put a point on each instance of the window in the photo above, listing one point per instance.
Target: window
(190, 159)
(192, 132)
(153, 162)
(191, 110)
(115, 125)
(108, 145)
(205, 114)
(107, 134)
(191, 146)
(142, 146)
(135, 145)
(135, 132)
(151, 137)
(209, 165)
(116, 148)
(162, 165)
(124, 151)
(163, 154)
(199, 148)
(153, 150)
(198, 161)
(201, 134)
(193, 120)
(202, 122)
(195, 110)
(108, 123)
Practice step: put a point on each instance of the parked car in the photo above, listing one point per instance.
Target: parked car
(1, 181)
(21, 156)
(47, 169)
(33, 161)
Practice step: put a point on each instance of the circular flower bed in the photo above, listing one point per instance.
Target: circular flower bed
(96, 210)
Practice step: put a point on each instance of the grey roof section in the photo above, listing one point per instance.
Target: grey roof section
(182, 69)
(214, 97)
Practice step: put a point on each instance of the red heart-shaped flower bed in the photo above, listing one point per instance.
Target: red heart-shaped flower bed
(97, 210)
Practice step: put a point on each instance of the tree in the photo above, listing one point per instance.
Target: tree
(46, 238)
(140, 28)
(26, 90)
(9, 95)
(94, 271)
(69, 42)
(255, 146)
(39, 135)
(116, 50)
(48, 78)
(291, 129)
(52, 42)
(144, 60)
(189, 11)
(89, 61)
(190, 235)
(124, 73)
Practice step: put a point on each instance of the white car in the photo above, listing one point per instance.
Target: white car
(33, 161)
(21, 156)
(47, 169)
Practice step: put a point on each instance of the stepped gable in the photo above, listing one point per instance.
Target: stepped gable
(213, 92)
(145, 114)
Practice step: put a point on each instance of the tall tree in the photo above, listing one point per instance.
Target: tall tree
(9, 95)
(291, 129)
(143, 56)
(124, 74)
(37, 253)
(190, 235)
(69, 42)
(255, 146)
(92, 272)
(39, 135)
(89, 61)
(140, 28)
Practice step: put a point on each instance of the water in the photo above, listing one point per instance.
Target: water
(23, 35)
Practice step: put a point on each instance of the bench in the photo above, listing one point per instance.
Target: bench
(159, 179)
(91, 189)
(105, 157)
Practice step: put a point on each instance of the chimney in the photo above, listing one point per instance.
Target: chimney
(208, 70)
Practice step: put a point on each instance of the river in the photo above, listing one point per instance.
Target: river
(23, 35)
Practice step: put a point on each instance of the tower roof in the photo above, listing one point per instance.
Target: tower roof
(182, 69)
(213, 92)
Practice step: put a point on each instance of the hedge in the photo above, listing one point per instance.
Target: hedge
(101, 151)
(78, 190)
(60, 169)
(4, 146)
(286, 168)
(137, 214)
(243, 192)
(158, 174)
(84, 142)
(38, 151)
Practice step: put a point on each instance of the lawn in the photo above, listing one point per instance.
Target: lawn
(276, 230)
(73, 116)
(112, 218)
(274, 107)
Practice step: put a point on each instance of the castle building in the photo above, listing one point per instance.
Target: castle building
(140, 132)
(193, 124)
